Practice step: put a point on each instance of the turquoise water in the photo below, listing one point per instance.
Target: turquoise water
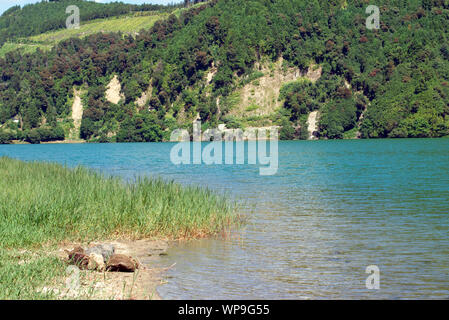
(334, 208)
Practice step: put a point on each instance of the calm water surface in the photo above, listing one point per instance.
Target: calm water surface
(334, 208)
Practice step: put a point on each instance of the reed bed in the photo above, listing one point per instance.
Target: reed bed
(47, 203)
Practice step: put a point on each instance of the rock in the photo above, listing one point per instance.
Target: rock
(79, 257)
(121, 263)
(105, 250)
(96, 262)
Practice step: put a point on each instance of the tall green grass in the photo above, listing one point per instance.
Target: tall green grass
(49, 203)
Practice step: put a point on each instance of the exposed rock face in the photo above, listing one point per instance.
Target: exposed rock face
(77, 114)
(211, 73)
(347, 84)
(261, 96)
(122, 263)
(113, 92)
(312, 122)
(314, 73)
(142, 101)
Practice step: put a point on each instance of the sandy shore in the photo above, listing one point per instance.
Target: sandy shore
(94, 285)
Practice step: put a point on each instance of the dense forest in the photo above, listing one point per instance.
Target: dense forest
(391, 82)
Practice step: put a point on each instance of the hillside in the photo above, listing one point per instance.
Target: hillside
(25, 21)
(128, 24)
(21, 28)
(293, 63)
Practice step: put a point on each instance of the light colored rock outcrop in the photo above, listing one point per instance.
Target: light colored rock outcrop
(261, 96)
(113, 92)
(77, 114)
(211, 74)
(314, 73)
(142, 101)
(312, 123)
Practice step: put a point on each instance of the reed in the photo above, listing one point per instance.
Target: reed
(46, 203)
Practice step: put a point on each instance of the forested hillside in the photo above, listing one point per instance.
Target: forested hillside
(390, 82)
(37, 18)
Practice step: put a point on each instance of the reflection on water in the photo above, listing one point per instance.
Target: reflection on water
(334, 208)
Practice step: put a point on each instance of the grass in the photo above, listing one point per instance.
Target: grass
(24, 48)
(23, 273)
(125, 24)
(43, 204)
(49, 203)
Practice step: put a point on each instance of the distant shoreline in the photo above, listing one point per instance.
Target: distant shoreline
(16, 142)
(65, 142)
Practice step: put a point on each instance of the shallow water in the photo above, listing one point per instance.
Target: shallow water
(334, 208)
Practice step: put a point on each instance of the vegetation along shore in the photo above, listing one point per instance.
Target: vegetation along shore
(46, 207)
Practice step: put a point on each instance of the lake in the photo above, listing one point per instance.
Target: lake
(333, 209)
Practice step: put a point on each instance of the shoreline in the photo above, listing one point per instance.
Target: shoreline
(16, 142)
(139, 285)
(66, 208)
